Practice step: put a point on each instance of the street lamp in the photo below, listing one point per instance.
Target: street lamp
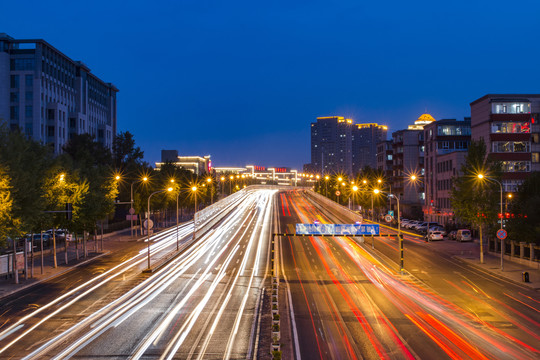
(194, 191)
(354, 189)
(144, 179)
(481, 177)
(427, 201)
(148, 220)
(230, 184)
(377, 191)
(326, 178)
(209, 181)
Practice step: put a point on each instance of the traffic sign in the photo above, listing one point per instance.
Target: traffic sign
(388, 218)
(132, 211)
(338, 193)
(148, 224)
(501, 234)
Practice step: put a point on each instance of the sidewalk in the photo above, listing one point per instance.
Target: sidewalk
(111, 243)
(470, 253)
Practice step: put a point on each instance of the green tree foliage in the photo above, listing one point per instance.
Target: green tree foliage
(475, 201)
(525, 224)
(25, 163)
(8, 225)
(126, 156)
(93, 164)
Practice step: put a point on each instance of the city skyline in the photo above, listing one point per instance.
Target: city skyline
(242, 82)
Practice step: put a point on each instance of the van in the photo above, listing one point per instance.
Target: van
(463, 235)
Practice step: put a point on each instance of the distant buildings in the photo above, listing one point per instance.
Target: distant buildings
(508, 123)
(365, 138)
(198, 165)
(50, 97)
(340, 146)
(331, 145)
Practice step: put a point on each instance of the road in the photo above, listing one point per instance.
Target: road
(350, 302)
(202, 304)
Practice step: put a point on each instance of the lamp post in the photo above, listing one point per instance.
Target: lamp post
(428, 202)
(508, 198)
(194, 190)
(230, 184)
(354, 189)
(177, 244)
(148, 221)
(481, 177)
(144, 179)
(326, 178)
(209, 181)
(400, 238)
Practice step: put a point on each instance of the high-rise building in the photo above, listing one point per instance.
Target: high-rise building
(365, 138)
(50, 97)
(408, 159)
(385, 157)
(508, 123)
(445, 147)
(331, 145)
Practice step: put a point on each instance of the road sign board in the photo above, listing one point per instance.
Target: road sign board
(337, 229)
(132, 211)
(388, 218)
(391, 212)
(148, 224)
(338, 193)
(501, 234)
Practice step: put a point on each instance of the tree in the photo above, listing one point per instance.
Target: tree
(524, 224)
(126, 155)
(8, 225)
(475, 202)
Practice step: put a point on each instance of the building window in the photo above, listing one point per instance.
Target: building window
(535, 157)
(22, 64)
(510, 127)
(14, 113)
(14, 97)
(29, 95)
(28, 129)
(29, 80)
(510, 146)
(28, 111)
(516, 166)
(511, 108)
(14, 81)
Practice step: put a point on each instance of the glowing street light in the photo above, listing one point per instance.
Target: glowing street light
(144, 179)
(481, 177)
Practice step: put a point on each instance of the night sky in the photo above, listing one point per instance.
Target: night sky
(243, 80)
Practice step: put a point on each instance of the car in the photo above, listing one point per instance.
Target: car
(452, 235)
(437, 228)
(434, 235)
(413, 224)
(463, 235)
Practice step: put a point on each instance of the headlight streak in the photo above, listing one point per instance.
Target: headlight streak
(71, 302)
(133, 301)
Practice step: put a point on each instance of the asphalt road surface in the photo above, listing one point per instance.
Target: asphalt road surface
(203, 304)
(349, 302)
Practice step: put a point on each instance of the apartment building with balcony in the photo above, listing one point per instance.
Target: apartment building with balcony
(446, 143)
(508, 123)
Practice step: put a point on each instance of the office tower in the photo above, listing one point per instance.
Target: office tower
(331, 143)
(50, 97)
(365, 138)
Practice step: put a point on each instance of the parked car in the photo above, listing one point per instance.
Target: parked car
(434, 235)
(423, 227)
(452, 235)
(437, 228)
(413, 224)
(463, 235)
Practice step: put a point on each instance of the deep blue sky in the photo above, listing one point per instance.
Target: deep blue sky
(243, 80)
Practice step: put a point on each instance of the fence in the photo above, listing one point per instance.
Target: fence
(520, 252)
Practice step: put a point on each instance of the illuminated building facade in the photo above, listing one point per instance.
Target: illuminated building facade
(331, 145)
(365, 138)
(198, 165)
(508, 123)
(50, 97)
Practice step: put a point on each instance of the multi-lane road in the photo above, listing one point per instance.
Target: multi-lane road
(351, 303)
(343, 300)
(202, 304)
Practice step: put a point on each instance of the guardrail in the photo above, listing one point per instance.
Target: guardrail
(332, 205)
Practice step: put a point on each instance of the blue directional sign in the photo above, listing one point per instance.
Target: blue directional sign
(337, 229)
